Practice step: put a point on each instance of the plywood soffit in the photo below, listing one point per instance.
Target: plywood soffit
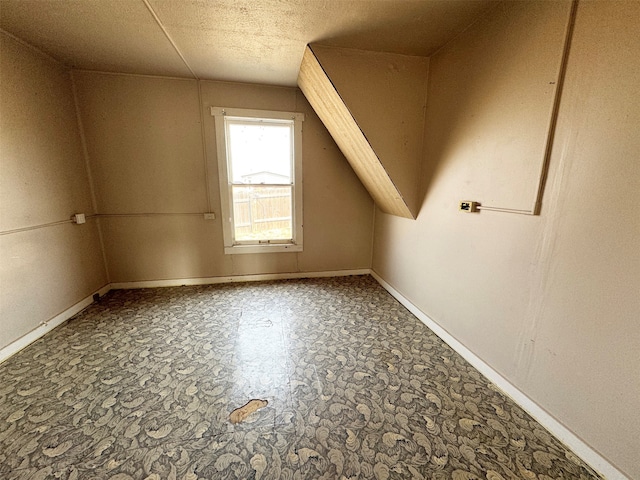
(346, 100)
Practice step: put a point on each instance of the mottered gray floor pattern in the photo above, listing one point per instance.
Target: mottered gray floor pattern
(141, 385)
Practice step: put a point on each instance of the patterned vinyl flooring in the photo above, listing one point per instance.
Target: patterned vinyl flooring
(140, 385)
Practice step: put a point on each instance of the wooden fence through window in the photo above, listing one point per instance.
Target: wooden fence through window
(262, 212)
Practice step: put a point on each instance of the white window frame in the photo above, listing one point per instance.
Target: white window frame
(259, 246)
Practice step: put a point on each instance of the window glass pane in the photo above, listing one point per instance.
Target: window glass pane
(259, 152)
(262, 213)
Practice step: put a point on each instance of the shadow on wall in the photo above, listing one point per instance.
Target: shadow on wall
(490, 104)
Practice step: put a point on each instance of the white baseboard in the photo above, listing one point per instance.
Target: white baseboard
(579, 447)
(47, 326)
(177, 282)
(570, 439)
(52, 323)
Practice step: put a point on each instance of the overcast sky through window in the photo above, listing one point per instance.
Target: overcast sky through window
(260, 148)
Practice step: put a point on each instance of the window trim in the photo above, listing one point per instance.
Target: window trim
(231, 247)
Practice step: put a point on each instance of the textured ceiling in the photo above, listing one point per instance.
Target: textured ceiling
(257, 41)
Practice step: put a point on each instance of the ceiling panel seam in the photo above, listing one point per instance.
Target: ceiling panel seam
(166, 34)
(34, 48)
(127, 74)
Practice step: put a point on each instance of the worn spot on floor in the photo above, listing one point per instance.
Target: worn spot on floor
(240, 414)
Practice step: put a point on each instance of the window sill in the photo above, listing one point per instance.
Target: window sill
(277, 248)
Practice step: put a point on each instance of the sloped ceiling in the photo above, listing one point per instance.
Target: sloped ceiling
(256, 41)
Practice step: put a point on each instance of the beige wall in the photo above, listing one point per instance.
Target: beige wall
(43, 179)
(549, 301)
(147, 156)
(498, 100)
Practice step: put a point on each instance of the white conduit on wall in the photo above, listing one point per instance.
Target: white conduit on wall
(42, 225)
(544, 168)
(98, 215)
(86, 154)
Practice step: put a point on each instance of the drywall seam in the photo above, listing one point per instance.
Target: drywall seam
(297, 109)
(544, 255)
(103, 248)
(166, 34)
(177, 282)
(87, 164)
(479, 18)
(528, 332)
(83, 143)
(34, 49)
(187, 79)
(126, 74)
(229, 82)
(205, 161)
(48, 325)
(564, 434)
(373, 237)
(553, 120)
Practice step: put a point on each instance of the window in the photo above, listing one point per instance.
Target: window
(260, 171)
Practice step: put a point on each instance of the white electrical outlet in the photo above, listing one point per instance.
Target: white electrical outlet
(209, 216)
(79, 218)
